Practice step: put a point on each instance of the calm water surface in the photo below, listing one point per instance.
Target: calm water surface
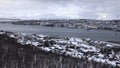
(52, 31)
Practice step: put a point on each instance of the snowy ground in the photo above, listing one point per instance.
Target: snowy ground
(98, 51)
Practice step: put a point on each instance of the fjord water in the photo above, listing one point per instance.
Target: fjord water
(103, 35)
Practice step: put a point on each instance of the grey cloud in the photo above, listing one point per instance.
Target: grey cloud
(99, 9)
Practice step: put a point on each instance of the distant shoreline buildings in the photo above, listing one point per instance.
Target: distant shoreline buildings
(69, 23)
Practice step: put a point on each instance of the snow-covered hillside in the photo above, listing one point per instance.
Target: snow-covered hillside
(82, 48)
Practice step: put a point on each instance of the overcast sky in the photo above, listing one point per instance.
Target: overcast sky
(93, 9)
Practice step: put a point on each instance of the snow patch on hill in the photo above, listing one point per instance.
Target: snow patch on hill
(83, 48)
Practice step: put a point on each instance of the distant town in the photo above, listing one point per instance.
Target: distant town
(70, 23)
